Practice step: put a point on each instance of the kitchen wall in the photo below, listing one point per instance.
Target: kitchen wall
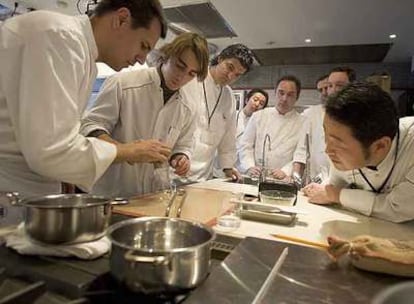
(402, 80)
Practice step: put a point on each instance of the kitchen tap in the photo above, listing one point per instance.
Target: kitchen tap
(307, 178)
(262, 177)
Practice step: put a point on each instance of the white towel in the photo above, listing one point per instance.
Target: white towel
(19, 241)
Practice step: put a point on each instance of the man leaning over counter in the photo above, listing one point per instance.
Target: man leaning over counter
(47, 72)
(372, 155)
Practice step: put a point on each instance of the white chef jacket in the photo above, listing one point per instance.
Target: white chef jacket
(47, 71)
(284, 134)
(396, 201)
(131, 107)
(241, 123)
(218, 136)
(319, 161)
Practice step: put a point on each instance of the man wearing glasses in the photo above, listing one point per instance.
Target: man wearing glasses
(272, 134)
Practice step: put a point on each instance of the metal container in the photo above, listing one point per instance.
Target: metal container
(66, 218)
(160, 255)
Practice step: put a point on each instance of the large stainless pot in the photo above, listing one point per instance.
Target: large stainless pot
(66, 218)
(160, 255)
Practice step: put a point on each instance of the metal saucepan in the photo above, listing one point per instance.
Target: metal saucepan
(66, 218)
(160, 255)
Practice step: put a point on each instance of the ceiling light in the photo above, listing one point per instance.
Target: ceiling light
(393, 36)
(308, 40)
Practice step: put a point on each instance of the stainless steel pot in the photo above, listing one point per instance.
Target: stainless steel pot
(66, 218)
(160, 255)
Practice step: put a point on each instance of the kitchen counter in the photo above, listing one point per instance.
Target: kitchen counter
(204, 200)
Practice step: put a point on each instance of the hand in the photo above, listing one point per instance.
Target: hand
(278, 174)
(233, 173)
(180, 163)
(254, 171)
(143, 151)
(322, 194)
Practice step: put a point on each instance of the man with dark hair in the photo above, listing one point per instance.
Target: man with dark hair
(340, 77)
(272, 134)
(48, 66)
(372, 155)
(256, 99)
(318, 160)
(322, 88)
(216, 131)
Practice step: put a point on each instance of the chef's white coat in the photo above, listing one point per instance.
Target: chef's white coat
(396, 202)
(284, 134)
(47, 69)
(319, 161)
(218, 136)
(241, 123)
(131, 107)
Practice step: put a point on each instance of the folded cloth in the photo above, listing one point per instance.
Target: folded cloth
(19, 241)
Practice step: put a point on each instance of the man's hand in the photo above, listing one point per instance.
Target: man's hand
(180, 163)
(254, 171)
(233, 173)
(322, 194)
(143, 151)
(278, 174)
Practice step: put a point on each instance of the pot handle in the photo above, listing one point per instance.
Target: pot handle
(157, 260)
(119, 201)
(12, 196)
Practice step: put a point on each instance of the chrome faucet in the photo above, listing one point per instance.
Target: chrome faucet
(262, 177)
(306, 178)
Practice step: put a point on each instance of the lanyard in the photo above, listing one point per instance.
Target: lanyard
(389, 174)
(209, 116)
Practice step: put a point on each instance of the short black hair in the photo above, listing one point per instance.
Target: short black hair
(238, 51)
(321, 78)
(254, 91)
(293, 79)
(142, 12)
(366, 109)
(346, 69)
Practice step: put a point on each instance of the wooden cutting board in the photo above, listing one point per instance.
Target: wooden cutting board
(201, 205)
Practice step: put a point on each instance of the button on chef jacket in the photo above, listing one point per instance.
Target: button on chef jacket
(47, 71)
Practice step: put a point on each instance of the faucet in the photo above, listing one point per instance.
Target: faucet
(306, 178)
(262, 177)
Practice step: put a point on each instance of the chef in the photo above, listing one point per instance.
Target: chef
(272, 134)
(149, 104)
(371, 151)
(327, 85)
(256, 100)
(47, 72)
(216, 128)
